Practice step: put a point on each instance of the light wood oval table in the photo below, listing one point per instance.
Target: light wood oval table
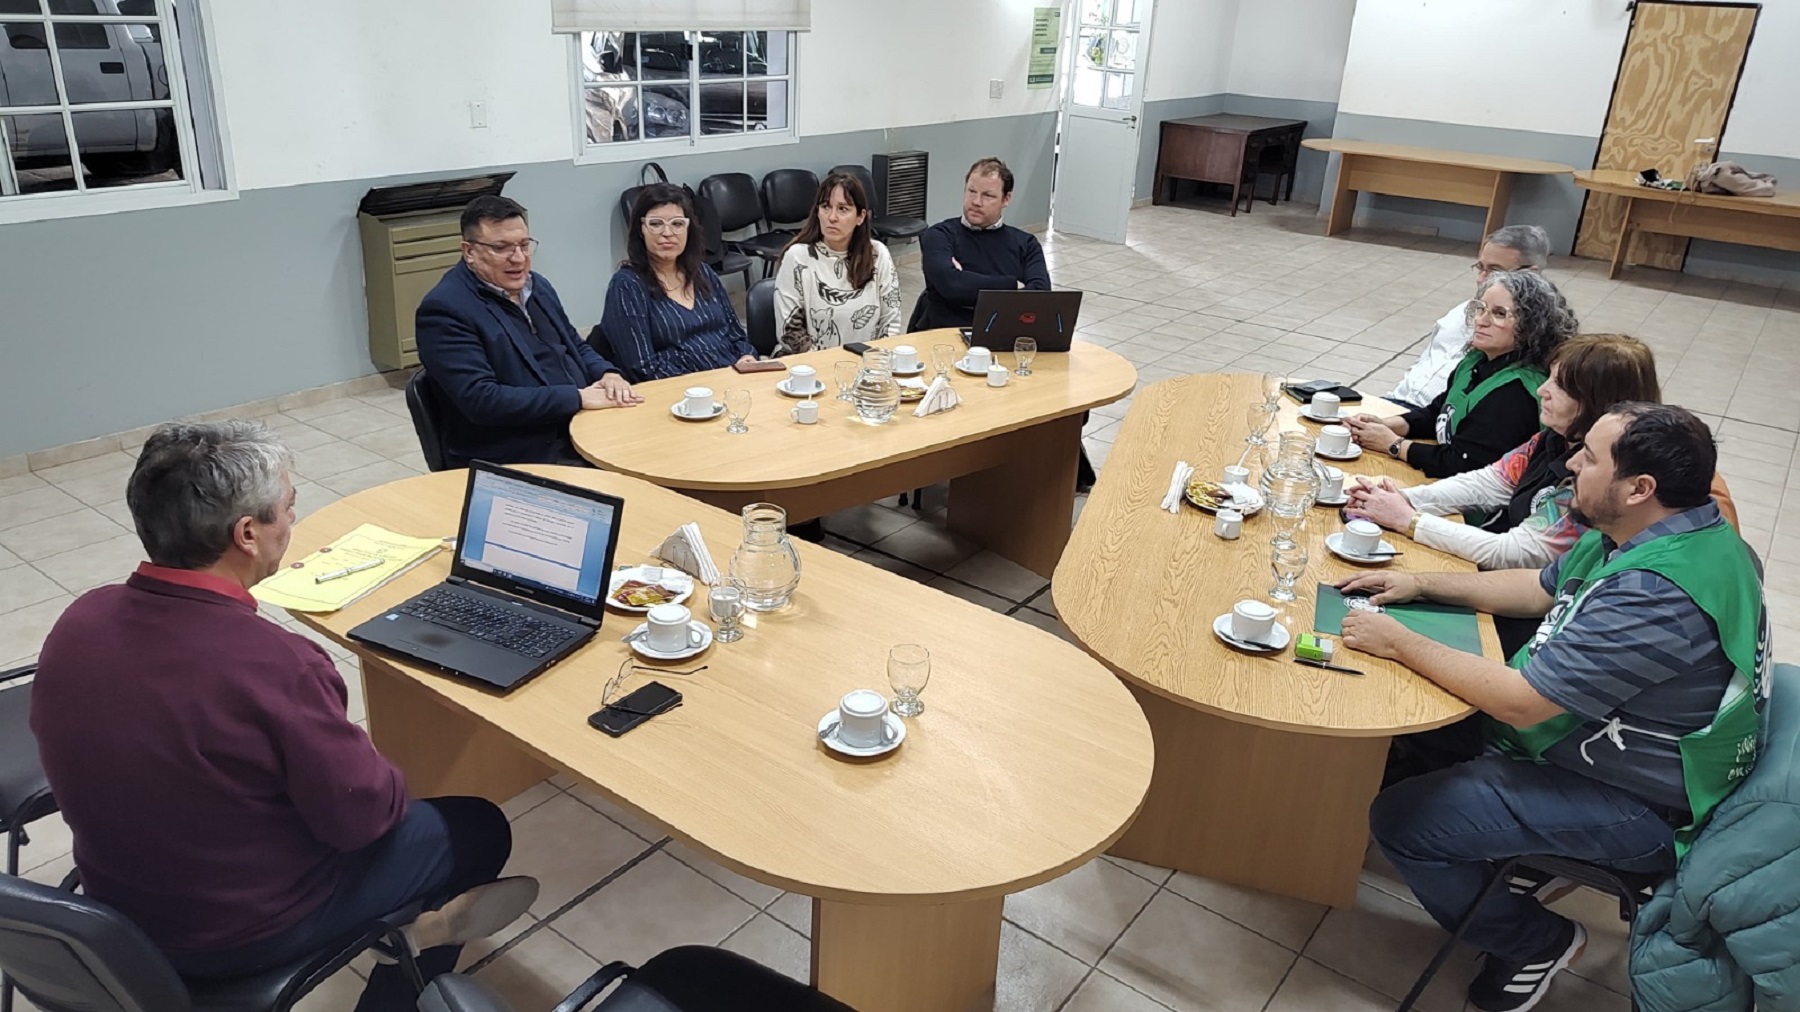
(1455, 177)
(1029, 760)
(1009, 452)
(1264, 768)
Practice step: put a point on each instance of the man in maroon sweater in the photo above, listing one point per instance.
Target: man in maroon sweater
(217, 792)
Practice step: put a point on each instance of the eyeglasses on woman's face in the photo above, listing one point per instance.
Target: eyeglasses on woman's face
(666, 226)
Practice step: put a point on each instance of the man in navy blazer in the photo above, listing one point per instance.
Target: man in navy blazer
(494, 337)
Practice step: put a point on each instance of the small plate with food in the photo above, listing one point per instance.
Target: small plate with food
(1213, 496)
(638, 589)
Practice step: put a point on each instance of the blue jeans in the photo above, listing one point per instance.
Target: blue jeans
(1447, 831)
(441, 847)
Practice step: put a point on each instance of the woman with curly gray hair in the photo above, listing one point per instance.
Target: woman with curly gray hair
(1491, 404)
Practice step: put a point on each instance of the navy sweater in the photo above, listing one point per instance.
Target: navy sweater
(997, 258)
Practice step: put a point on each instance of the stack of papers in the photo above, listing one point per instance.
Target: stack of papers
(686, 550)
(297, 586)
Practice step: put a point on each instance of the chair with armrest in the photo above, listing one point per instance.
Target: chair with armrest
(425, 402)
(733, 195)
(759, 307)
(888, 228)
(689, 978)
(24, 791)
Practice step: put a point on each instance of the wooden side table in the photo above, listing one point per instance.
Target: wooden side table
(1226, 148)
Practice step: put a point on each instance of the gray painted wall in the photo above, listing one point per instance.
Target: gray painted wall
(1553, 202)
(1320, 117)
(118, 321)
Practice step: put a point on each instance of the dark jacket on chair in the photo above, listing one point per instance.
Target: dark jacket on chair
(513, 376)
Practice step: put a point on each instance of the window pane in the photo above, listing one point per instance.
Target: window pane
(75, 7)
(611, 114)
(1118, 90)
(1126, 13)
(1088, 82)
(666, 111)
(133, 71)
(81, 37)
(722, 54)
(25, 66)
(769, 105)
(766, 53)
(19, 7)
(722, 108)
(40, 153)
(663, 55)
(1093, 12)
(608, 56)
(1092, 50)
(126, 146)
(1124, 51)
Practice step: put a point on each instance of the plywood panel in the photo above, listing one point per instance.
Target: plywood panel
(1675, 84)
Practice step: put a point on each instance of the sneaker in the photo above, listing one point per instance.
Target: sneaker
(470, 915)
(1506, 986)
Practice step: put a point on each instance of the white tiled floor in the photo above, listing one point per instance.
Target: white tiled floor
(1192, 291)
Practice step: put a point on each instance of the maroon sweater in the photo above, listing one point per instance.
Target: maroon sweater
(203, 760)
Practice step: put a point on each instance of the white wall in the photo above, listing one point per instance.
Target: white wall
(1291, 48)
(1765, 119)
(1190, 48)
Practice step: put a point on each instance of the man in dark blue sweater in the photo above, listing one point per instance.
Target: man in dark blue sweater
(966, 256)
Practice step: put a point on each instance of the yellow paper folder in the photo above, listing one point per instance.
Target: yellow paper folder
(296, 587)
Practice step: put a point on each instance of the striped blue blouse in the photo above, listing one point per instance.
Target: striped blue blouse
(653, 336)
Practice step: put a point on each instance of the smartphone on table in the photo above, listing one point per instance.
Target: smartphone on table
(652, 700)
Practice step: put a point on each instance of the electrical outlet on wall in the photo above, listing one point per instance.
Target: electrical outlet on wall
(477, 115)
(996, 88)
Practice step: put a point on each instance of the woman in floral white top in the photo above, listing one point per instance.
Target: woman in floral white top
(836, 284)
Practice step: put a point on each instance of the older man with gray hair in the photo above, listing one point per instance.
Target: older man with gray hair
(1513, 248)
(218, 794)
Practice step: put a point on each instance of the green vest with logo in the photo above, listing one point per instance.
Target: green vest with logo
(1464, 393)
(1713, 567)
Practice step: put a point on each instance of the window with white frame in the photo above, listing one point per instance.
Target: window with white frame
(104, 95)
(703, 88)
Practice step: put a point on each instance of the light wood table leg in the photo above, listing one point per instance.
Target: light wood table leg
(1343, 199)
(1023, 509)
(1273, 810)
(1623, 244)
(442, 750)
(907, 959)
(1496, 216)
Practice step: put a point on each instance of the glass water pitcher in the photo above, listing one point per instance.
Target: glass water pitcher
(875, 394)
(765, 563)
(1290, 483)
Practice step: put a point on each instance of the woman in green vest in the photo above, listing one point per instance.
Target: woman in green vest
(1491, 404)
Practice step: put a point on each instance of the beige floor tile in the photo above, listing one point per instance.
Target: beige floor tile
(34, 504)
(868, 524)
(973, 595)
(368, 476)
(362, 420)
(109, 561)
(350, 669)
(1034, 976)
(1191, 959)
(749, 890)
(308, 497)
(391, 443)
(999, 576)
(55, 535)
(1310, 987)
(331, 458)
(1383, 943)
(1155, 875)
(1084, 912)
(24, 585)
(50, 842)
(774, 945)
(538, 972)
(1100, 993)
(634, 823)
(20, 483)
(529, 798)
(657, 904)
(795, 911)
(22, 631)
(1279, 918)
(542, 848)
(1046, 623)
(898, 567)
(928, 546)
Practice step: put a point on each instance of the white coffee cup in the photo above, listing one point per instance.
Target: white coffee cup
(1235, 475)
(906, 358)
(699, 402)
(860, 714)
(1228, 524)
(671, 628)
(803, 379)
(1335, 440)
(1325, 405)
(1333, 488)
(978, 358)
(1252, 621)
(806, 412)
(1361, 537)
(998, 375)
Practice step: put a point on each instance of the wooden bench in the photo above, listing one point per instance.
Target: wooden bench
(1456, 177)
(1772, 222)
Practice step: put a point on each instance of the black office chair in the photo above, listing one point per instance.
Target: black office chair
(888, 228)
(759, 306)
(689, 978)
(723, 260)
(733, 195)
(24, 792)
(425, 402)
(788, 196)
(68, 953)
(1630, 889)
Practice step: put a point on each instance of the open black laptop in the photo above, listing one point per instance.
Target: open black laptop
(527, 587)
(1001, 315)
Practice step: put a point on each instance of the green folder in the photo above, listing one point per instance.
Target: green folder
(1452, 625)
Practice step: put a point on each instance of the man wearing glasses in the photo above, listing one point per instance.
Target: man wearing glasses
(494, 337)
(1513, 248)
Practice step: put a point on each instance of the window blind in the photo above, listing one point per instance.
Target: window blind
(680, 15)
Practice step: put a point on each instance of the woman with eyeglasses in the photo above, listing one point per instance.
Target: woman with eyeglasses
(1491, 404)
(836, 284)
(667, 313)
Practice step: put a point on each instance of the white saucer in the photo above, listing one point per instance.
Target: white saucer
(1335, 542)
(664, 575)
(914, 371)
(1342, 499)
(1306, 412)
(1354, 452)
(891, 719)
(1221, 628)
(962, 366)
(679, 410)
(644, 648)
(791, 392)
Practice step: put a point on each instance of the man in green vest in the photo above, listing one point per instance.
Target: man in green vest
(1612, 735)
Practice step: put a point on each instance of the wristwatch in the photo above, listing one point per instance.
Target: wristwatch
(1394, 451)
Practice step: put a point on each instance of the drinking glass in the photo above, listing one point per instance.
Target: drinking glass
(1024, 350)
(845, 374)
(737, 404)
(943, 356)
(1271, 390)
(726, 603)
(1287, 560)
(909, 668)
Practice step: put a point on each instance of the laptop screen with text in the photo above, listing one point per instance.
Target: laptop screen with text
(537, 537)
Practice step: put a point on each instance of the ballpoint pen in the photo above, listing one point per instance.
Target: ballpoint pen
(1329, 667)
(347, 570)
